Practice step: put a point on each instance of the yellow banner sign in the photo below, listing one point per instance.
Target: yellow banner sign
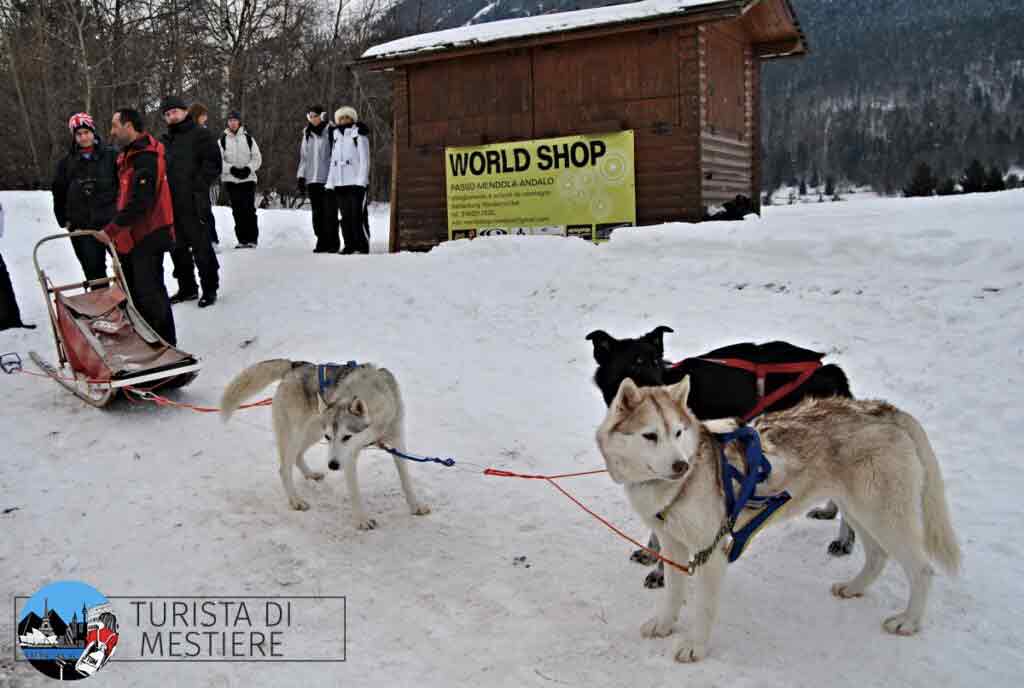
(571, 186)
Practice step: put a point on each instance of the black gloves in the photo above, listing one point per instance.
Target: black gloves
(240, 172)
(300, 183)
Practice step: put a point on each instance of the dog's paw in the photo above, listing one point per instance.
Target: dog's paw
(366, 523)
(688, 652)
(642, 556)
(823, 513)
(298, 503)
(656, 628)
(902, 624)
(315, 475)
(655, 579)
(420, 510)
(840, 548)
(845, 591)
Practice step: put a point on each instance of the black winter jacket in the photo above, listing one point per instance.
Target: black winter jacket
(193, 164)
(85, 187)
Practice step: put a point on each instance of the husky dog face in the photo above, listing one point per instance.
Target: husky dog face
(345, 423)
(649, 434)
(640, 360)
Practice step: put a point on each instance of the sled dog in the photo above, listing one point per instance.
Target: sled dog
(872, 458)
(716, 391)
(351, 406)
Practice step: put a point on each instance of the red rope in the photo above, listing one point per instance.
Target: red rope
(550, 479)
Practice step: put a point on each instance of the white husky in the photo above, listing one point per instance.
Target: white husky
(872, 458)
(353, 406)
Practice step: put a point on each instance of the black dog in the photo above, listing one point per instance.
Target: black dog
(716, 391)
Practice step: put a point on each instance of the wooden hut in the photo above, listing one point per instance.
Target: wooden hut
(684, 75)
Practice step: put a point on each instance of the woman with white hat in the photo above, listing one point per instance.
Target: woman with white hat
(349, 176)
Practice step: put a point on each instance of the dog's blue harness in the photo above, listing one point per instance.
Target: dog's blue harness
(758, 469)
(325, 380)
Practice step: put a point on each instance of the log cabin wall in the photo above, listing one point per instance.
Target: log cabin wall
(642, 80)
(729, 108)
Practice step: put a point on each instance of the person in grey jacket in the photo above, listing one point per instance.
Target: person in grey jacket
(314, 165)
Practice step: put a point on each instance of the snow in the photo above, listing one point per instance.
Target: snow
(490, 32)
(918, 299)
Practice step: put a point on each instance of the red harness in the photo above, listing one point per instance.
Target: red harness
(803, 370)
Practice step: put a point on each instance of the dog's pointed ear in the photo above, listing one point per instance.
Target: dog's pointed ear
(628, 397)
(721, 426)
(321, 406)
(680, 391)
(656, 336)
(357, 407)
(602, 344)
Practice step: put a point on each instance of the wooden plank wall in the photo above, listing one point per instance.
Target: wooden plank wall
(728, 113)
(647, 81)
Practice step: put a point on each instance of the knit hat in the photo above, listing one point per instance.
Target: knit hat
(81, 120)
(235, 114)
(346, 112)
(172, 102)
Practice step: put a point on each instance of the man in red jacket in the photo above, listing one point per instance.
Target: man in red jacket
(143, 229)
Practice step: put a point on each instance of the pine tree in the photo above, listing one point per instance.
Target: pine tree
(923, 182)
(994, 180)
(974, 177)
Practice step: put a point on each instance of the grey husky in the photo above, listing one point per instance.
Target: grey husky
(352, 406)
(872, 458)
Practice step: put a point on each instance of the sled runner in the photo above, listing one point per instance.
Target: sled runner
(103, 344)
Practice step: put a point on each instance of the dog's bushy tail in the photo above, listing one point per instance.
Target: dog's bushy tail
(939, 539)
(249, 382)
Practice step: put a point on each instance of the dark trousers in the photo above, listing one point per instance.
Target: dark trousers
(144, 272)
(243, 207)
(92, 256)
(10, 315)
(325, 218)
(354, 226)
(194, 250)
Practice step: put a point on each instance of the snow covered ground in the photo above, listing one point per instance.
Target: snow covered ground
(918, 299)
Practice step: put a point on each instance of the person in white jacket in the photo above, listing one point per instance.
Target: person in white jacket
(311, 177)
(240, 156)
(349, 177)
(10, 316)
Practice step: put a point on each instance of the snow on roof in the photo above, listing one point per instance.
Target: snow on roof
(491, 32)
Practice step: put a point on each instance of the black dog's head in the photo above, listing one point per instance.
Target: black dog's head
(640, 359)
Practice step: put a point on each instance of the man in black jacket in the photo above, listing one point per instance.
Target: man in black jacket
(85, 192)
(193, 164)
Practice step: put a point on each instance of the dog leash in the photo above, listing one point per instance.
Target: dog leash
(449, 462)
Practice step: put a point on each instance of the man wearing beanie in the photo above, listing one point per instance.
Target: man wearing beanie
(241, 158)
(85, 192)
(314, 164)
(349, 177)
(193, 164)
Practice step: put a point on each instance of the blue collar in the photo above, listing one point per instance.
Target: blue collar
(758, 468)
